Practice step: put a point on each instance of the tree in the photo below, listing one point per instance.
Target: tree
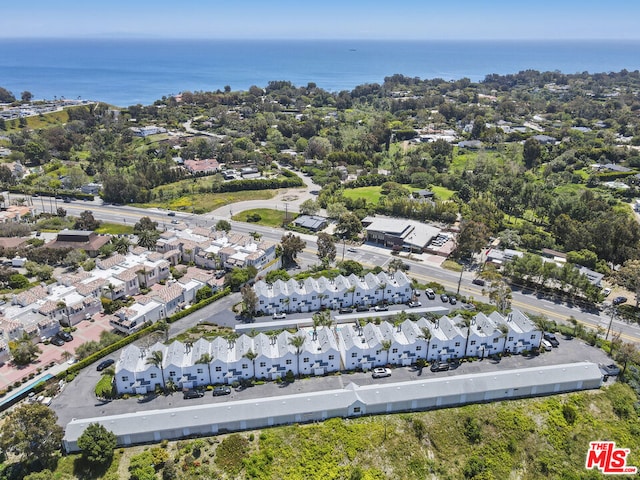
(156, 358)
(251, 355)
(86, 221)
(629, 277)
(203, 293)
(472, 238)
(297, 341)
(628, 352)
(425, 334)
(24, 351)
(223, 225)
(309, 207)
(206, 359)
(145, 223)
(348, 226)
(97, 444)
(291, 245)
(531, 152)
(250, 299)
(121, 245)
(31, 433)
(466, 323)
(395, 265)
(17, 281)
(326, 248)
(26, 96)
(385, 345)
(148, 239)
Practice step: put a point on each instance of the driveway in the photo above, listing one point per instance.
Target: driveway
(78, 401)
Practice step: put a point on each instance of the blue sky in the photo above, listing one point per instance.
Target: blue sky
(331, 19)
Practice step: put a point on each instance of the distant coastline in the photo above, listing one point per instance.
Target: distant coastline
(139, 71)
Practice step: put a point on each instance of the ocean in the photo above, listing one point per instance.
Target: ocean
(129, 72)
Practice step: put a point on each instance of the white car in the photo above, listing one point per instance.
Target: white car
(606, 292)
(279, 316)
(381, 372)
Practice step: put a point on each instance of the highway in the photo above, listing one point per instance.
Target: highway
(368, 255)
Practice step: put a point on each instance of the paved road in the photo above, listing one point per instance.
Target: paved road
(77, 399)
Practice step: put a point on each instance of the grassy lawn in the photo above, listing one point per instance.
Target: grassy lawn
(442, 193)
(206, 202)
(115, 229)
(269, 217)
(370, 194)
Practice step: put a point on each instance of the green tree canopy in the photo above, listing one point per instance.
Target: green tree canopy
(97, 444)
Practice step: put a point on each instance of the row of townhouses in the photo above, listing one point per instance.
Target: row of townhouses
(313, 294)
(325, 350)
(215, 249)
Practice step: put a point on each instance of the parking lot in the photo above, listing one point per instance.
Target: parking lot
(78, 401)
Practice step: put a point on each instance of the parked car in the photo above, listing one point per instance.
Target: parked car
(478, 281)
(611, 370)
(414, 304)
(219, 391)
(545, 345)
(381, 372)
(279, 316)
(416, 293)
(452, 300)
(606, 292)
(105, 364)
(619, 300)
(172, 214)
(64, 336)
(444, 297)
(362, 308)
(381, 308)
(57, 341)
(431, 295)
(551, 338)
(439, 367)
(345, 310)
(194, 393)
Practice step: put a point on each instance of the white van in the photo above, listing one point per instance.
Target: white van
(546, 345)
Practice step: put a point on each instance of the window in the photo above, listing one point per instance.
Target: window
(263, 364)
(354, 355)
(473, 342)
(510, 339)
(434, 346)
(172, 373)
(305, 360)
(533, 337)
(244, 366)
(125, 378)
(356, 409)
(395, 350)
(218, 369)
(261, 302)
(495, 340)
(388, 291)
(154, 375)
(295, 299)
(288, 362)
(313, 298)
(377, 352)
(200, 370)
(457, 344)
(345, 295)
(418, 348)
(331, 357)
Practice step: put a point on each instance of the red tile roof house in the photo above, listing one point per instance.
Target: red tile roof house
(200, 167)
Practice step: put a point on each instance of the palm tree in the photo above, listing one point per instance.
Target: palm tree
(231, 339)
(425, 334)
(383, 286)
(206, 359)
(504, 330)
(147, 239)
(156, 359)
(121, 245)
(297, 341)
(352, 291)
(386, 345)
(251, 355)
(466, 322)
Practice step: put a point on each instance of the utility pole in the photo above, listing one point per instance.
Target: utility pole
(343, 244)
(613, 311)
(460, 279)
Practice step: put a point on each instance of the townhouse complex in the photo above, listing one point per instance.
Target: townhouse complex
(324, 350)
(140, 276)
(313, 294)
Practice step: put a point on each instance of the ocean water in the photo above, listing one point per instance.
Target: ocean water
(129, 72)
